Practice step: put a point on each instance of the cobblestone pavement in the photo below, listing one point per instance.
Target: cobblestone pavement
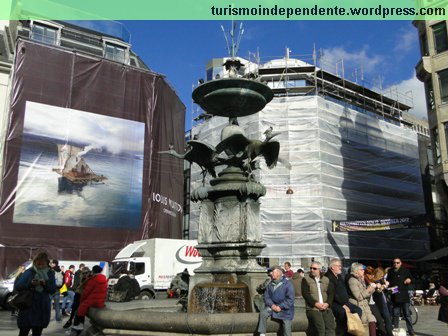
(427, 324)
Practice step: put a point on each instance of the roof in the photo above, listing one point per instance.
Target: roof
(438, 254)
(282, 62)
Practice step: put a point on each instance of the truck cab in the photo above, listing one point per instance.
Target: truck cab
(140, 268)
(155, 262)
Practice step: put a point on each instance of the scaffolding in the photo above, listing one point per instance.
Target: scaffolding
(350, 156)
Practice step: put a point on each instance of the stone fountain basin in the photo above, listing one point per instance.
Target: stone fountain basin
(232, 97)
(124, 319)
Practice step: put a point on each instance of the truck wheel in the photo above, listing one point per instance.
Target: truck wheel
(146, 295)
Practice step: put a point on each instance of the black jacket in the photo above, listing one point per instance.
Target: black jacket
(397, 278)
(340, 290)
(131, 286)
(77, 279)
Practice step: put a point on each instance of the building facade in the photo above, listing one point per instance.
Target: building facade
(353, 158)
(82, 176)
(432, 70)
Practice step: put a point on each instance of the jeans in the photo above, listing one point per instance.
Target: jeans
(403, 307)
(264, 315)
(56, 297)
(70, 295)
(75, 306)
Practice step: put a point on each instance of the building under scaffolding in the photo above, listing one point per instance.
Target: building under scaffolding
(353, 157)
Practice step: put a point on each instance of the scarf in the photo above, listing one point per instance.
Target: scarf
(40, 274)
(277, 283)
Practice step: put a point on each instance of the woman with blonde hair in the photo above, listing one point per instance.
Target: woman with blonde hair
(360, 295)
(376, 304)
(40, 279)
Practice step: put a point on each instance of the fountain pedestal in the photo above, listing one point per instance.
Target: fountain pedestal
(229, 242)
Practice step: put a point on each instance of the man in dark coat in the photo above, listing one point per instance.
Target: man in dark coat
(126, 285)
(340, 305)
(443, 291)
(399, 279)
(279, 302)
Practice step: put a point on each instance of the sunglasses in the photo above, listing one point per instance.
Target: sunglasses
(314, 268)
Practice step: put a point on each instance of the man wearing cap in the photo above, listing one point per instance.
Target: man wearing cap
(400, 278)
(279, 302)
(318, 294)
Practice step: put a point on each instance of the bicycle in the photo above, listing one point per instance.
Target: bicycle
(413, 311)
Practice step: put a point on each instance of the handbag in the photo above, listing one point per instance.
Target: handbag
(354, 325)
(63, 289)
(399, 332)
(22, 300)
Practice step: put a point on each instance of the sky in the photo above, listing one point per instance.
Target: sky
(114, 134)
(384, 52)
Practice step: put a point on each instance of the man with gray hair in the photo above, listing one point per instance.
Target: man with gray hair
(341, 305)
(318, 294)
(279, 302)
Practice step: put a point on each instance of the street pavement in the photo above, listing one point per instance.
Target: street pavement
(427, 324)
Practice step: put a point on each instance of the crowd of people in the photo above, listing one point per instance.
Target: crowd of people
(378, 296)
(81, 290)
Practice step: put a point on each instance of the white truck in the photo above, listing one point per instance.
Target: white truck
(155, 262)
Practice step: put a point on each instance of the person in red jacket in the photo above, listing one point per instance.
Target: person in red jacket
(93, 295)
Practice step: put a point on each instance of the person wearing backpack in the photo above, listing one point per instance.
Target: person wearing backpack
(56, 296)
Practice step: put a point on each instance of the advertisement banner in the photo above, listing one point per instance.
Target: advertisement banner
(82, 173)
(386, 224)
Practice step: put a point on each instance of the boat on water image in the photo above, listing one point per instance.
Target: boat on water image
(73, 167)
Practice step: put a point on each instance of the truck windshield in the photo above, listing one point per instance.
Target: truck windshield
(117, 267)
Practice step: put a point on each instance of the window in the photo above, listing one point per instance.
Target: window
(440, 37)
(115, 53)
(209, 74)
(137, 268)
(437, 154)
(44, 34)
(429, 90)
(424, 45)
(445, 125)
(443, 80)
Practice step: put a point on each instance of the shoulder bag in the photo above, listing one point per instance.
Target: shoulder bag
(22, 300)
(354, 325)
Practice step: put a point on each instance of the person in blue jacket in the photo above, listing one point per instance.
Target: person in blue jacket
(40, 278)
(279, 302)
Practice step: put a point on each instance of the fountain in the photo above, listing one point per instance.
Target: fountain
(223, 290)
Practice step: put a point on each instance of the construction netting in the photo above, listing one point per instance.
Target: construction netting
(346, 165)
(82, 176)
